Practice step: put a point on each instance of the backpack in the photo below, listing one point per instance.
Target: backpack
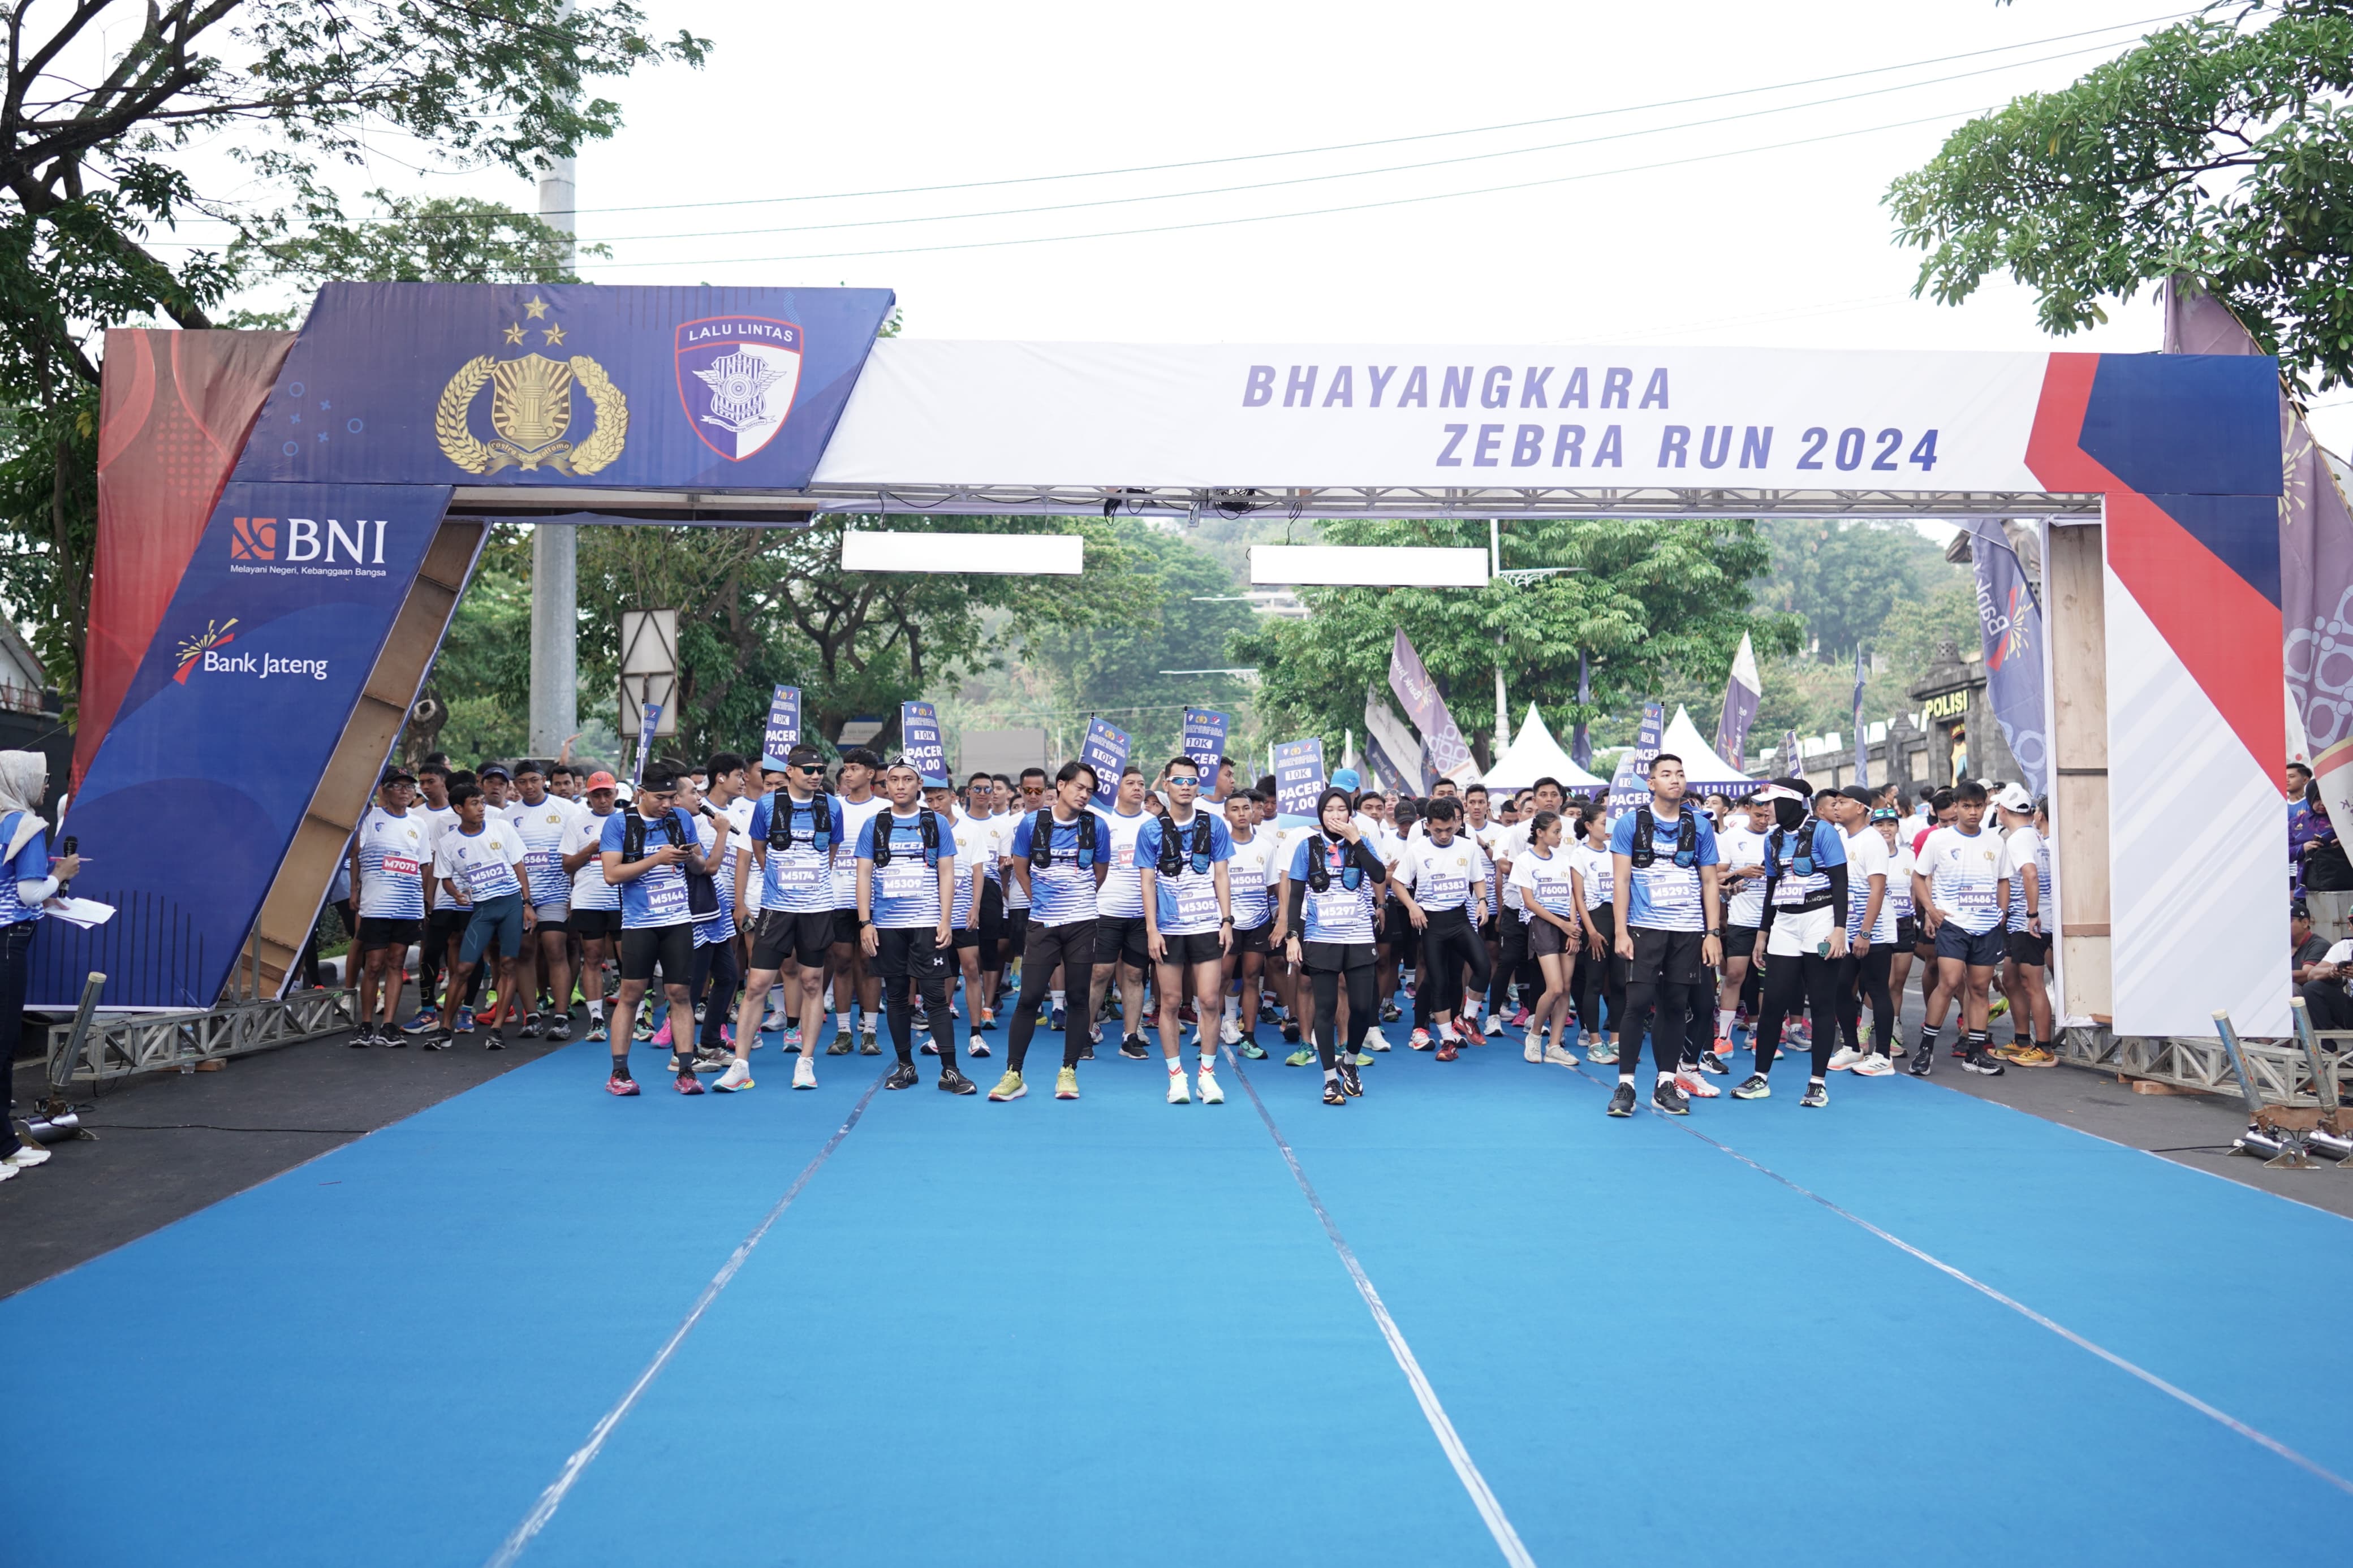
(1802, 863)
(701, 888)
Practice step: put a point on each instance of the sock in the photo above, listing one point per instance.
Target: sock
(1626, 1077)
(1331, 1075)
(1976, 1039)
(1233, 1008)
(596, 1009)
(621, 1068)
(868, 1022)
(1665, 1076)
(1723, 1023)
(1446, 1030)
(1816, 1080)
(1928, 1033)
(1208, 1062)
(841, 1023)
(1058, 1002)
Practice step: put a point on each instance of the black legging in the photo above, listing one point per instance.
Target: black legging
(1869, 972)
(1518, 963)
(1449, 943)
(912, 954)
(1808, 978)
(1600, 981)
(714, 966)
(1043, 946)
(1363, 1006)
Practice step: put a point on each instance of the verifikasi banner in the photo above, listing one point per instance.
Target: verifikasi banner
(1106, 750)
(919, 732)
(784, 727)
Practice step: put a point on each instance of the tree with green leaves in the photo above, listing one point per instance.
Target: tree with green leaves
(2217, 149)
(1639, 599)
(1845, 576)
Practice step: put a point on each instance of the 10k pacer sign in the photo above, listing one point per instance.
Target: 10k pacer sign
(920, 742)
(1632, 786)
(1106, 750)
(1299, 777)
(1205, 742)
(783, 731)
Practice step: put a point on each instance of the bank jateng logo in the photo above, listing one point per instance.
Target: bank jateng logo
(532, 410)
(736, 377)
(203, 653)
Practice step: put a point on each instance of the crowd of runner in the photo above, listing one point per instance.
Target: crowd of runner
(760, 901)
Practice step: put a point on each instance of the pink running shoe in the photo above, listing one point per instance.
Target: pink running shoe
(661, 1035)
(619, 1085)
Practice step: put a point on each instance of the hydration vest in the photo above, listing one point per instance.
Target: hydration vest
(1172, 856)
(1319, 874)
(1645, 853)
(780, 822)
(1042, 839)
(927, 825)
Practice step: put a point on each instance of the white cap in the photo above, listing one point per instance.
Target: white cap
(2013, 798)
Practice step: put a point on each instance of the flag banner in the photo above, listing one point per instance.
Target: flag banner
(1299, 777)
(919, 741)
(1742, 693)
(1793, 758)
(1632, 786)
(2012, 627)
(1105, 751)
(1389, 773)
(1393, 748)
(1581, 737)
(784, 728)
(1447, 753)
(649, 720)
(1205, 742)
(1861, 745)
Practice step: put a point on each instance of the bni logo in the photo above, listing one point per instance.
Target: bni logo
(253, 539)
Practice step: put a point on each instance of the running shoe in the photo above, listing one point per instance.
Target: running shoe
(559, 1031)
(531, 1027)
(27, 1156)
(2027, 1055)
(361, 1037)
(423, 1022)
(1375, 1040)
(1669, 1096)
(1998, 1007)
(976, 1047)
(1560, 1055)
(869, 1047)
(1349, 1079)
(643, 1029)
(922, 1021)
(1332, 1093)
(737, 1076)
(1229, 1033)
(465, 1021)
(1179, 1094)
(1467, 1029)
(1694, 1083)
(1290, 1031)
(1713, 1065)
(1066, 1084)
(955, 1082)
(1362, 1060)
(1723, 1046)
(1211, 1094)
(1252, 1051)
(1622, 1098)
(805, 1073)
(1302, 1058)
(1874, 1066)
(793, 1040)
(1136, 1048)
(1757, 1086)
(1816, 1095)
(1186, 1015)
(1059, 1021)
(708, 1061)
(927, 1047)
(1844, 1057)
(436, 1042)
(1519, 1020)
(1418, 1041)
(986, 1021)
(1389, 1014)
(903, 1076)
(1923, 1063)
(496, 1040)
(1532, 1048)
(839, 1044)
(687, 1083)
(1981, 1063)
(616, 1084)
(661, 1035)
(1603, 1055)
(1448, 1051)
(596, 1029)
(1087, 1051)
(1010, 1087)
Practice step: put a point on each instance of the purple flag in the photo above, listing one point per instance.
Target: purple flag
(1446, 753)
(1862, 743)
(2013, 626)
(2316, 556)
(1581, 738)
(1792, 763)
(1742, 693)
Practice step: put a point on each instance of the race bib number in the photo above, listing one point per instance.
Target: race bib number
(399, 866)
(666, 899)
(904, 878)
(1122, 857)
(1197, 901)
(1975, 901)
(545, 868)
(1337, 908)
(483, 876)
(796, 876)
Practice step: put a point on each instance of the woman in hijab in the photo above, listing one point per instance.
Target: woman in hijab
(27, 876)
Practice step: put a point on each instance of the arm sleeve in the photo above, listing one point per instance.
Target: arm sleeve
(1294, 915)
(1370, 859)
(1839, 892)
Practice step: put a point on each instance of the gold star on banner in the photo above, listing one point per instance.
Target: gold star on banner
(536, 308)
(514, 333)
(553, 334)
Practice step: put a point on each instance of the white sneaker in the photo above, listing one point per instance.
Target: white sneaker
(7, 1171)
(1696, 1084)
(805, 1074)
(1177, 1094)
(1532, 1048)
(1560, 1055)
(1375, 1040)
(1210, 1093)
(1844, 1057)
(1231, 1034)
(1875, 1065)
(737, 1076)
(25, 1158)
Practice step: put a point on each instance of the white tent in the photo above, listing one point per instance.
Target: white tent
(1536, 755)
(1702, 767)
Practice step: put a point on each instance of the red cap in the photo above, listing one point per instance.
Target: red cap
(601, 781)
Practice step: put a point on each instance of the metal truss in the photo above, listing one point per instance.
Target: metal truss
(2278, 1066)
(129, 1042)
(1421, 502)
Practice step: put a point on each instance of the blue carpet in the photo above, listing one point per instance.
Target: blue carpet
(1114, 1331)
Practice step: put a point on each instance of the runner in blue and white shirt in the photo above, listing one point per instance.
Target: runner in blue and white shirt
(717, 974)
(646, 851)
(906, 887)
(1246, 891)
(1807, 896)
(542, 821)
(1956, 882)
(596, 904)
(1334, 873)
(1182, 857)
(856, 786)
(796, 839)
(1058, 882)
(389, 852)
(479, 864)
(1670, 929)
(1441, 881)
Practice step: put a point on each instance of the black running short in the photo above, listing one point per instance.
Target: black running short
(1327, 957)
(1397, 928)
(1547, 939)
(909, 952)
(1201, 947)
(2026, 947)
(1739, 941)
(672, 946)
(1665, 957)
(1119, 938)
(1254, 940)
(1978, 950)
(380, 930)
(780, 936)
(1907, 933)
(449, 920)
(845, 928)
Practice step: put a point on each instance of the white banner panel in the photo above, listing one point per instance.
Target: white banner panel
(1367, 566)
(1009, 554)
(948, 413)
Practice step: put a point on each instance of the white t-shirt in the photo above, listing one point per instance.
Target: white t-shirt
(855, 815)
(1442, 878)
(1866, 856)
(976, 848)
(738, 813)
(1247, 879)
(2022, 850)
(1122, 893)
(394, 853)
(1601, 873)
(482, 864)
(1742, 846)
(1899, 878)
(1545, 879)
(541, 828)
(1964, 872)
(589, 888)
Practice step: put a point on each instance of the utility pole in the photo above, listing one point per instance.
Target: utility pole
(554, 547)
(1496, 570)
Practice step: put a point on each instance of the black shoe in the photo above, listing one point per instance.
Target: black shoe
(1354, 1085)
(446, 1037)
(391, 1038)
(1709, 1062)
(1669, 1099)
(434, 1042)
(1136, 1048)
(362, 1039)
(1983, 1063)
(558, 1032)
(1923, 1062)
(1389, 1012)
(1622, 1100)
(1290, 1032)
(531, 1028)
(903, 1076)
(1816, 1096)
(1757, 1086)
(496, 1040)
(1332, 1093)
(1087, 1052)
(955, 1082)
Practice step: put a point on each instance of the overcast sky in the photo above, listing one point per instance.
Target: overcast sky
(1736, 240)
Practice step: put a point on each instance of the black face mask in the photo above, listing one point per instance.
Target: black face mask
(1789, 815)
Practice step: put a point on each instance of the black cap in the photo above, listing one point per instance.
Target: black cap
(1859, 794)
(487, 769)
(396, 774)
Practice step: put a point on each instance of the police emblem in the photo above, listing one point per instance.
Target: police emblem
(736, 377)
(532, 408)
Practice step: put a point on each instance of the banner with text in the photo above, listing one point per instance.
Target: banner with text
(920, 742)
(1392, 748)
(1445, 752)
(1205, 742)
(1299, 777)
(784, 727)
(1631, 785)
(1106, 750)
(648, 725)
(1744, 689)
